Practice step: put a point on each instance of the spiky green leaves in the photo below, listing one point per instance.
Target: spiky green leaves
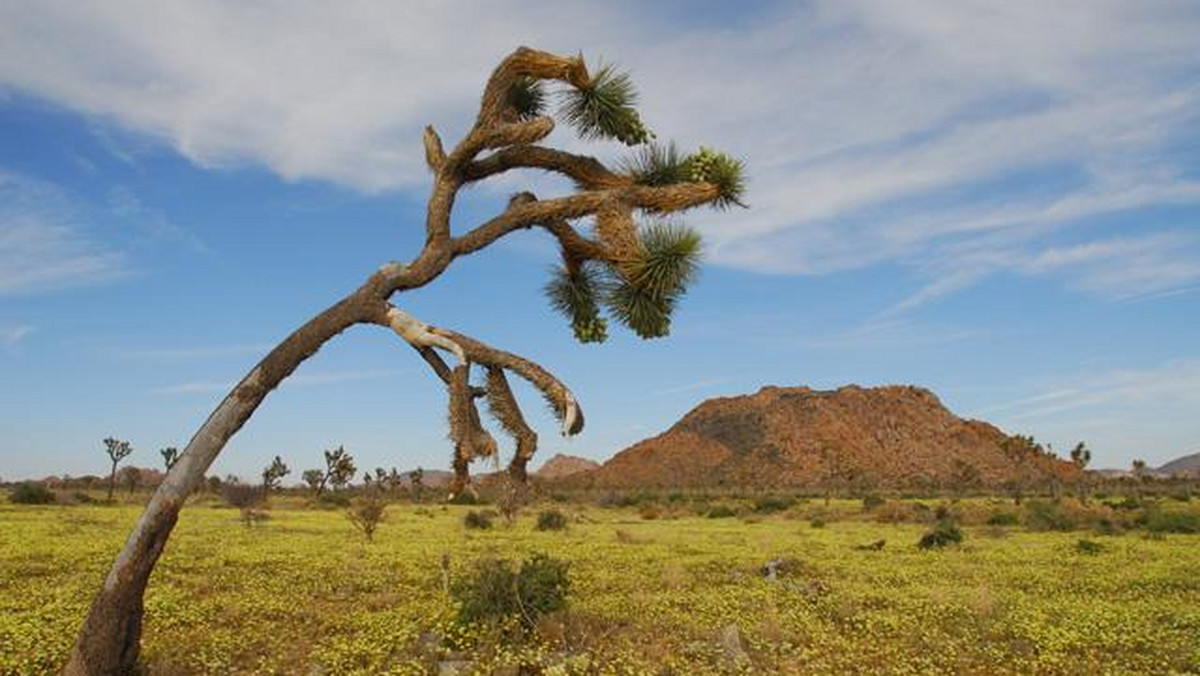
(709, 166)
(527, 97)
(605, 108)
(575, 294)
(647, 290)
(656, 164)
(641, 293)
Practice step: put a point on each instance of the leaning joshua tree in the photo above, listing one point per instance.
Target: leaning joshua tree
(636, 272)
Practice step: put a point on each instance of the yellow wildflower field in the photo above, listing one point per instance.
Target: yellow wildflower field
(304, 593)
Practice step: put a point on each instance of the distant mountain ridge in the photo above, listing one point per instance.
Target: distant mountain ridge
(1184, 465)
(788, 436)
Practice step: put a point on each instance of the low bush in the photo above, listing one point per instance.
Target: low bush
(241, 495)
(1089, 547)
(1042, 515)
(1157, 521)
(551, 519)
(870, 502)
(496, 594)
(817, 523)
(944, 533)
(31, 493)
(331, 499)
(772, 504)
(1003, 519)
(477, 520)
(366, 514)
(465, 498)
(721, 512)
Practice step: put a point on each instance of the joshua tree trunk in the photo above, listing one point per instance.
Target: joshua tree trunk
(508, 127)
(112, 480)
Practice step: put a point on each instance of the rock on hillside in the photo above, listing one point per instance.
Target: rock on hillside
(780, 436)
(565, 465)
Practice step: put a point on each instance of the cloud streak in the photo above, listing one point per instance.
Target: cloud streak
(43, 241)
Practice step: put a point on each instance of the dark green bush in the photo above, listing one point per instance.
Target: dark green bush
(552, 519)
(1042, 515)
(771, 504)
(464, 498)
(1157, 521)
(477, 520)
(817, 523)
(496, 594)
(721, 512)
(872, 501)
(331, 499)
(31, 493)
(1003, 519)
(944, 533)
(1089, 547)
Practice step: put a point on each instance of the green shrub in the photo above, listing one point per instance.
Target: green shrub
(944, 533)
(496, 594)
(552, 519)
(477, 520)
(771, 504)
(870, 502)
(31, 493)
(331, 499)
(817, 523)
(1003, 519)
(464, 498)
(1042, 515)
(1089, 547)
(721, 512)
(1157, 521)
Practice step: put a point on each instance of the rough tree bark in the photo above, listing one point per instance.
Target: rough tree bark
(108, 642)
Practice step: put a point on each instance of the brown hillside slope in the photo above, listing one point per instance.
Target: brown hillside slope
(893, 436)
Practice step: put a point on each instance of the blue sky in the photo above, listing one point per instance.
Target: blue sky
(997, 201)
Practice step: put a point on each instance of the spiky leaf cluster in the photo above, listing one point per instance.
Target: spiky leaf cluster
(575, 293)
(527, 97)
(604, 108)
(656, 164)
(647, 290)
(709, 166)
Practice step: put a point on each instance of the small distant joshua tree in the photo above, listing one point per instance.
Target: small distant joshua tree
(416, 479)
(1139, 476)
(117, 451)
(618, 253)
(1080, 457)
(170, 455)
(273, 474)
(339, 467)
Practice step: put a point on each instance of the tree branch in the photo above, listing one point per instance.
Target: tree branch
(587, 172)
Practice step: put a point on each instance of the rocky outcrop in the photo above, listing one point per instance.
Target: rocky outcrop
(796, 436)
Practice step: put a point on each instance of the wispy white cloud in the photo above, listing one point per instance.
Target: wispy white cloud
(150, 224)
(1115, 404)
(298, 380)
(872, 128)
(10, 336)
(44, 243)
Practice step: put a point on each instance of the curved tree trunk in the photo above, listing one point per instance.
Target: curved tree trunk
(109, 640)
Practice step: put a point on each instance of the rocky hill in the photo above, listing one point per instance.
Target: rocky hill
(796, 436)
(561, 466)
(1188, 465)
